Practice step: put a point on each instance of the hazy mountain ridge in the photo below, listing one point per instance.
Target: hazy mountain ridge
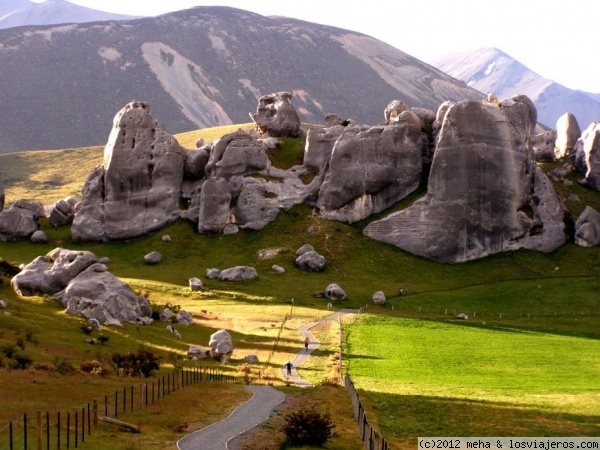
(489, 70)
(200, 67)
(17, 13)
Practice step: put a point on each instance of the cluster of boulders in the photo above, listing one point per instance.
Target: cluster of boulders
(484, 194)
(82, 283)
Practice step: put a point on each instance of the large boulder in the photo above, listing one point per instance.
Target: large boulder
(393, 110)
(588, 155)
(543, 146)
(214, 210)
(257, 205)
(587, 228)
(236, 154)
(485, 194)
(97, 294)
(51, 273)
(63, 211)
(372, 169)
(137, 189)
(311, 261)
(567, 133)
(334, 292)
(221, 345)
(238, 273)
(276, 116)
(20, 220)
(319, 146)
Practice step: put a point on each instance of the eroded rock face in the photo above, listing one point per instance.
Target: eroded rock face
(393, 110)
(97, 294)
(485, 194)
(567, 133)
(63, 211)
(20, 220)
(138, 188)
(543, 146)
(588, 155)
(221, 345)
(372, 169)
(238, 273)
(276, 116)
(587, 228)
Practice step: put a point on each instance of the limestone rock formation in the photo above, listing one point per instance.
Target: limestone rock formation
(51, 273)
(567, 133)
(393, 110)
(221, 345)
(587, 228)
(39, 237)
(276, 116)
(379, 298)
(543, 146)
(184, 318)
(63, 211)
(20, 220)
(311, 261)
(195, 284)
(152, 258)
(137, 189)
(372, 169)
(485, 194)
(334, 292)
(587, 157)
(319, 145)
(238, 273)
(98, 294)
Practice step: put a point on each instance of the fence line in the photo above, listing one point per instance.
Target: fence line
(45, 431)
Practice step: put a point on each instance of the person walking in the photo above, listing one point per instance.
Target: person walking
(306, 342)
(288, 367)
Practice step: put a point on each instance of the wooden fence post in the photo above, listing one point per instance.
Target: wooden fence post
(95, 413)
(39, 430)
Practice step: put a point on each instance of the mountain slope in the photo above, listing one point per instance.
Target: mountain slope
(200, 67)
(491, 71)
(18, 13)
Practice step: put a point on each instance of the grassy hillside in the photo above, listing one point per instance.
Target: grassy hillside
(542, 308)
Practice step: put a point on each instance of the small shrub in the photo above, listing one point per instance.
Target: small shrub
(131, 364)
(86, 329)
(307, 426)
(64, 367)
(244, 368)
(90, 366)
(102, 338)
(333, 382)
(21, 361)
(8, 350)
(21, 342)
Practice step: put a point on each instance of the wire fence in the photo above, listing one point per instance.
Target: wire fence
(69, 429)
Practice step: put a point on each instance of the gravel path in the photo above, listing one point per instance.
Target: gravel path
(244, 417)
(259, 407)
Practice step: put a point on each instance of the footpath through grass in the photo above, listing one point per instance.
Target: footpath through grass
(423, 377)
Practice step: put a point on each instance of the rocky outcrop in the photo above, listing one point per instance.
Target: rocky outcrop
(276, 116)
(195, 284)
(138, 187)
(98, 294)
(311, 261)
(238, 273)
(63, 211)
(587, 228)
(221, 345)
(485, 194)
(587, 157)
(20, 220)
(543, 146)
(393, 110)
(567, 133)
(379, 298)
(319, 145)
(152, 258)
(334, 292)
(372, 169)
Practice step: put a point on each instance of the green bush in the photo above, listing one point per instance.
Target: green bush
(307, 426)
(134, 365)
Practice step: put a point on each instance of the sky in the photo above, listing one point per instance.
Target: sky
(556, 39)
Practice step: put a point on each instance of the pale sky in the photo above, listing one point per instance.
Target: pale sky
(557, 39)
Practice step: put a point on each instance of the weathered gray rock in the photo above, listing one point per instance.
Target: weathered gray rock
(334, 292)
(587, 228)
(20, 220)
(238, 273)
(152, 258)
(196, 284)
(52, 273)
(257, 205)
(230, 229)
(212, 273)
(269, 253)
(221, 345)
(3, 304)
(236, 154)
(171, 329)
(165, 314)
(166, 238)
(393, 110)
(63, 212)
(379, 298)
(39, 237)
(319, 145)
(195, 353)
(251, 359)
(372, 169)
(426, 116)
(195, 162)
(305, 249)
(215, 205)
(276, 116)
(137, 189)
(94, 324)
(500, 202)
(462, 316)
(589, 154)
(96, 293)
(312, 261)
(567, 133)
(277, 269)
(543, 146)
(184, 318)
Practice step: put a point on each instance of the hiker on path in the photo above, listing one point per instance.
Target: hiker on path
(288, 366)
(306, 342)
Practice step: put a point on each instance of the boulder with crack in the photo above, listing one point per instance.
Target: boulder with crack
(485, 194)
(276, 116)
(20, 220)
